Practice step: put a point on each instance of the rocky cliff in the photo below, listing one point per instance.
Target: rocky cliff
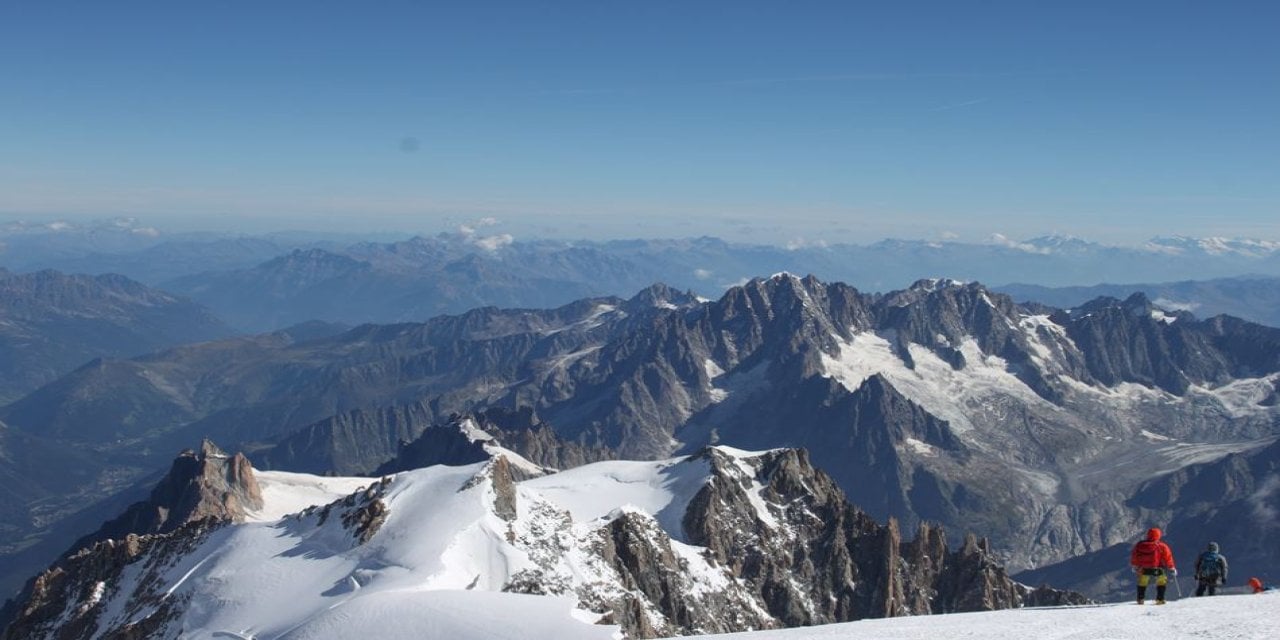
(203, 484)
(202, 489)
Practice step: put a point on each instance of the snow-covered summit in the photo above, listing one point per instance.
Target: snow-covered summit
(719, 541)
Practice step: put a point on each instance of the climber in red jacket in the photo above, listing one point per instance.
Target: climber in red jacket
(1151, 557)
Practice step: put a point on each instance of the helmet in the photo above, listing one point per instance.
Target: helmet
(1153, 534)
(1213, 546)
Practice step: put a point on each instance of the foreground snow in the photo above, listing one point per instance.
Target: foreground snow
(1243, 617)
(439, 563)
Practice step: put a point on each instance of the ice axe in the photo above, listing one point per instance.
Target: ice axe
(1177, 583)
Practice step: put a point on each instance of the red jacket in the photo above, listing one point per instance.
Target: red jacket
(1152, 553)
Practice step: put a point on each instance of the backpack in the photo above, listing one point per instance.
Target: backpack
(1146, 554)
(1210, 564)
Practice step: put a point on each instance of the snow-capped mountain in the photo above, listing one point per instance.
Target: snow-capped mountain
(719, 541)
(263, 283)
(944, 402)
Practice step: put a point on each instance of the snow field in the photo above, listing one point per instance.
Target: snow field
(1243, 617)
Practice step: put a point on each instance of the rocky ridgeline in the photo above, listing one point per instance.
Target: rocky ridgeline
(208, 483)
(944, 402)
(774, 543)
(816, 559)
(464, 439)
(797, 555)
(63, 602)
(203, 489)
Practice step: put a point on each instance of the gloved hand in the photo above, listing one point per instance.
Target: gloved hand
(1173, 572)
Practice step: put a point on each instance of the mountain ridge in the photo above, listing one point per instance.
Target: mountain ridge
(763, 537)
(956, 404)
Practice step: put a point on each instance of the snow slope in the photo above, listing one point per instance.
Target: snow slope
(432, 570)
(1234, 617)
(438, 564)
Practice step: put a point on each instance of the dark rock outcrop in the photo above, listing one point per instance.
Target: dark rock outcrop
(465, 439)
(815, 559)
(350, 443)
(203, 484)
(63, 602)
(794, 552)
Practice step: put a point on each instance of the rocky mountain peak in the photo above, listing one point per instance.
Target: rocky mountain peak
(471, 438)
(661, 296)
(204, 483)
(1138, 304)
(767, 541)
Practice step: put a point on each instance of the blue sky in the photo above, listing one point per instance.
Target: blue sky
(843, 121)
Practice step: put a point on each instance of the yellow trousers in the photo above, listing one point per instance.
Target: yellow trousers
(1144, 578)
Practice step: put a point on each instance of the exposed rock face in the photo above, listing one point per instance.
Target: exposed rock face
(350, 443)
(66, 601)
(362, 513)
(200, 485)
(814, 559)
(767, 541)
(465, 439)
(790, 552)
(1253, 298)
(63, 602)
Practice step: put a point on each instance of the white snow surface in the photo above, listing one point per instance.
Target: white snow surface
(715, 371)
(435, 568)
(660, 488)
(284, 493)
(473, 432)
(933, 384)
(1223, 617)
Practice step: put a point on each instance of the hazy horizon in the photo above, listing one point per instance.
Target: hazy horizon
(737, 231)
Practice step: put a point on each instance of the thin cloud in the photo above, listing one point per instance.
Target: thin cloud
(801, 79)
(960, 105)
(854, 77)
(493, 243)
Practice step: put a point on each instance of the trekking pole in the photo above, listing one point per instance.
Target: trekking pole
(1178, 583)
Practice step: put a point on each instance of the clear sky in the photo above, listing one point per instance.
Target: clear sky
(847, 121)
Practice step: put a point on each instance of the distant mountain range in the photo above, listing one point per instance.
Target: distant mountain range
(943, 402)
(422, 277)
(51, 323)
(1255, 298)
(261, 283)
